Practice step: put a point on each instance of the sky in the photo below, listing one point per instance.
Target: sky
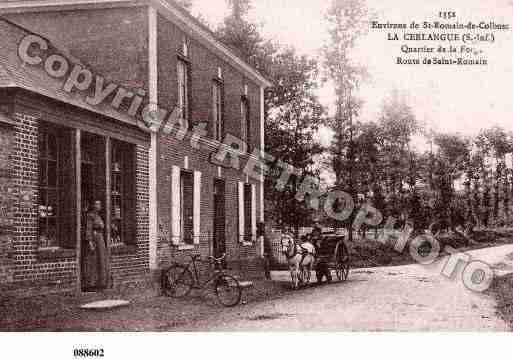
(448, 99)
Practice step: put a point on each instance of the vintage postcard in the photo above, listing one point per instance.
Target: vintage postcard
(255, 165)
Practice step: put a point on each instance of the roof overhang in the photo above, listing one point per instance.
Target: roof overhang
(18, 6)
(210, 41)
(162, 6)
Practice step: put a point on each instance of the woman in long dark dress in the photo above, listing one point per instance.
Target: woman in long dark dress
(95, 268)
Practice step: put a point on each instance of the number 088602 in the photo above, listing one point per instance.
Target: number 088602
(88, 353)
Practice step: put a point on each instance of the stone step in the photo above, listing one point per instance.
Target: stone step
(105, 304)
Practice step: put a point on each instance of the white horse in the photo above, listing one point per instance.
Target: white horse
(300, 258)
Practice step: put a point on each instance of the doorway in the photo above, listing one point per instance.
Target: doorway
(219, 218)
(93, 188)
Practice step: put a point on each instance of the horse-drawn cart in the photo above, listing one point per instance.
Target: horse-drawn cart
(332, 254)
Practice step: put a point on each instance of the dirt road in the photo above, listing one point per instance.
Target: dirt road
(406, 298)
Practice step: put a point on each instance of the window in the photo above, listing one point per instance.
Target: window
(123, 194)
(185, 47)
(217, 110)
(183, 90)
(56, 187)
(185, 206)
(247, 212)
(187, 210)
(245, 124)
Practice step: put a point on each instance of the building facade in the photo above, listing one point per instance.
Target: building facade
(79, 81)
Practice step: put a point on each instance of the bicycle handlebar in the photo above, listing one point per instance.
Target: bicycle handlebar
(217, 259)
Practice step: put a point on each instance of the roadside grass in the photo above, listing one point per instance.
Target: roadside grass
(370, 252)
(502, 290)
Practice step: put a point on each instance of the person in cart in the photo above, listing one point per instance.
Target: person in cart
(322, 268)
(307, 247)
(316, 235)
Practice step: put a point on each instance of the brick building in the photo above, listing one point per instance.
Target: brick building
(76, 78)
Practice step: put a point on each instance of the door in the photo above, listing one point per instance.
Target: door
(219, 218)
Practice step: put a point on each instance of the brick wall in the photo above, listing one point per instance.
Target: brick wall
(6, 205)
(203, 69)
(22, 267)
(135, 266)
(114, 43)
(172, 152)
(28, 268)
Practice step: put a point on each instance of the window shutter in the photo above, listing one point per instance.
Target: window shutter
(241, 211)
(175, 205)
(197, 207)
(253, 213)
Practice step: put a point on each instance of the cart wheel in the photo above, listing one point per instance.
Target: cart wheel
(343, 260)
(342, 271)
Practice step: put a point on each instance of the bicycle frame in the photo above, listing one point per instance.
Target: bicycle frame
(196, 273)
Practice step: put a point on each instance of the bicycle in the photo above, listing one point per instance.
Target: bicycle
(178, 281)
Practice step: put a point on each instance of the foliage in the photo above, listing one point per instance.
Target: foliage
(186, 4)
(293, 111)
(346, 21)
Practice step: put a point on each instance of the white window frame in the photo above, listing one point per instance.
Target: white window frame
(177, 209)
(241, 213)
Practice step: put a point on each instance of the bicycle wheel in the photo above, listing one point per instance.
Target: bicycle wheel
(228, 290)
(177, 281)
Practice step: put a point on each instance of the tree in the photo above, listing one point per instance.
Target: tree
(398, 124)
(294, 116)
(452, 160)
(293, 111)
(186, 4)
(240, 8)
(244, 37)
(494, 143)
(347, 21)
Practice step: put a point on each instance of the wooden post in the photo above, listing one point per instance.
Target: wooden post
(108, 204)
(78, 176)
